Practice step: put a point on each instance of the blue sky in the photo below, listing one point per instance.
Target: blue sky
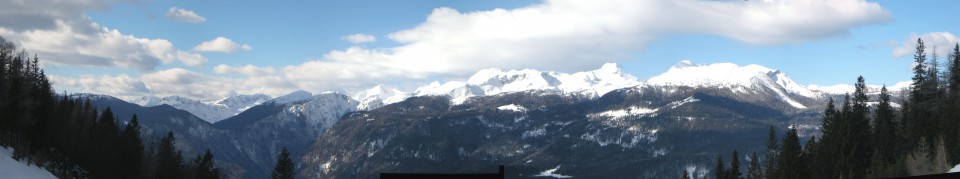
(301, 44)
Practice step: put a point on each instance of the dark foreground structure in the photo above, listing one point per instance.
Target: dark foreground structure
(444, 175)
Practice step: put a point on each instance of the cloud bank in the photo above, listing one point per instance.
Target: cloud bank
(941, 42)
(61, 34)
(556, 35)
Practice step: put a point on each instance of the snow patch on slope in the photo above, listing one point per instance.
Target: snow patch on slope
(552, 173)
(675, 104)
(512, 107)
(620, 113)
(10, 168)
(840, 89)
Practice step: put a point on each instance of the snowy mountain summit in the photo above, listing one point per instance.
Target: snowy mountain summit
(378, 96)
(211, 111)
(494, 81)
(740, 79)
(748, 80)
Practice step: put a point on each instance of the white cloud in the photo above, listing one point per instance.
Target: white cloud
(558, 35)
(248, 70)
(122, 86)
(221, 44)
(64, 35)
(942, 42)
(184, 15)
(572, 35)
(174, 81)
(359, 38)
(81, 46)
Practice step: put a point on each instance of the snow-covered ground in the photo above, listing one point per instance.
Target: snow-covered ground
(955, 169)
(10, 168)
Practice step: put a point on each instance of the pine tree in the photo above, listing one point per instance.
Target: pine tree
(952, 106)
(132, 152)
(884, 129)
(284, 167)
(684, 175)
(205, 168)
(734, 172)
(754, 171)
(170, 160)
(772, 155)
(720, 172)
(816, 165)
(791, 164)
(105, 151)
(823, 160)
(856, 152)
(919, 120)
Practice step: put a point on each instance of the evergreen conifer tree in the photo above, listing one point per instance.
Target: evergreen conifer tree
(284, 167)
(791, 158)
(952, 106)
(720, 172)
(772, 155)
(856, 151)
(205, 168)
(884, 129)
(170, 160)
(734, 172)
(132, 149)
(754, 171)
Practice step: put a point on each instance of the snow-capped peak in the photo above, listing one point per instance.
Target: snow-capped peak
(683, 63)
(295, 96)
(211, 111)
(241, 102)
(596, 82)
(740, 79)
(378, 96)
(456, 90)
(717, 74)
(494, 81)
(150, 101)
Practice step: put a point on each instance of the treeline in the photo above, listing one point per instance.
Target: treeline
(860, 140)
(70, 138)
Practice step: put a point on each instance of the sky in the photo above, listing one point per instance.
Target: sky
(212, 49)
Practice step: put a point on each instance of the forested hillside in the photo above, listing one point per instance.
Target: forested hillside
(864, 140)
(71, 139)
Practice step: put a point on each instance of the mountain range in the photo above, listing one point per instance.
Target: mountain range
(535, 122)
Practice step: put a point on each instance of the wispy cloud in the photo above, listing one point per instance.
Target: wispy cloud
(184, 15)
(359, 38)
(221, 44)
